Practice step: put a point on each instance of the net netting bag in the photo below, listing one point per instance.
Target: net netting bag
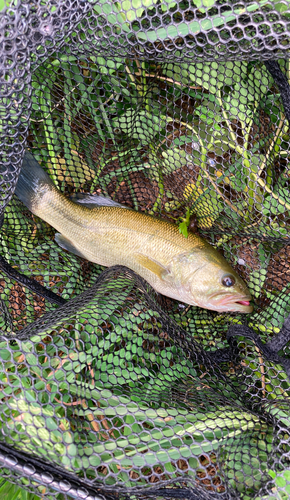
(180, 110)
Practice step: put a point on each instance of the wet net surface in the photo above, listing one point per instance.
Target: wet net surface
(179, 110)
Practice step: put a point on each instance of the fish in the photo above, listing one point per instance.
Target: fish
(96, 228)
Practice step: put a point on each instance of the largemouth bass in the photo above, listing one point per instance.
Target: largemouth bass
(186, 269)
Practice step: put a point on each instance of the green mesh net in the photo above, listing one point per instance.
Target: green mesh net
(178, 110)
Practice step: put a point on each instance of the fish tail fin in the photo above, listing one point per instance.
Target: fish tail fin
(33, 183)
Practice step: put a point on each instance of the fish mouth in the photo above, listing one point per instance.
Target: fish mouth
(243, 302)
(242, 306)
(231, 304)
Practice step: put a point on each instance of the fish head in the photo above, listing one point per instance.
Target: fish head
(206, 279)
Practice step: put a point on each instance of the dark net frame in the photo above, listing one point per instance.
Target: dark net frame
(181, 110)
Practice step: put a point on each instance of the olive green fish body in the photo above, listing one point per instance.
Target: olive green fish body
(186, 269)
(111, 235)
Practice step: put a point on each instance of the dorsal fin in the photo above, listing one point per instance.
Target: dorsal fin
(95, 200)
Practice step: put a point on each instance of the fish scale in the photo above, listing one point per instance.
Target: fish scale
(186, 269)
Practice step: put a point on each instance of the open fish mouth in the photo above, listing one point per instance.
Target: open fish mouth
(239, 305)
(232, 303)
(243, 302)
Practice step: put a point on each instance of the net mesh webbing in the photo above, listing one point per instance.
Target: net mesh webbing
(181, 110)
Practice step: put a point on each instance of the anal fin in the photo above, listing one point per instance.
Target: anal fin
(65, 243)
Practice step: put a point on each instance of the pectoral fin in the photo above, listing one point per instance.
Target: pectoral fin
(153, 265)
(63, 242)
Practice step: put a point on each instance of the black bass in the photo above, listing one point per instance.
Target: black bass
(102, 231)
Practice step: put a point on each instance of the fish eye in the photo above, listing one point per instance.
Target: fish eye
(228, 280)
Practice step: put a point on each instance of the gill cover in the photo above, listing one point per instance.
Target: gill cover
(181, 266)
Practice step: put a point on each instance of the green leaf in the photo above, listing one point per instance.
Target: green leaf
(183, 229)
(140, 125)
(282, 7)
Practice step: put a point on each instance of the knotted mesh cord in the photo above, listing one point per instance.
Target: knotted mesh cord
(164, 107)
